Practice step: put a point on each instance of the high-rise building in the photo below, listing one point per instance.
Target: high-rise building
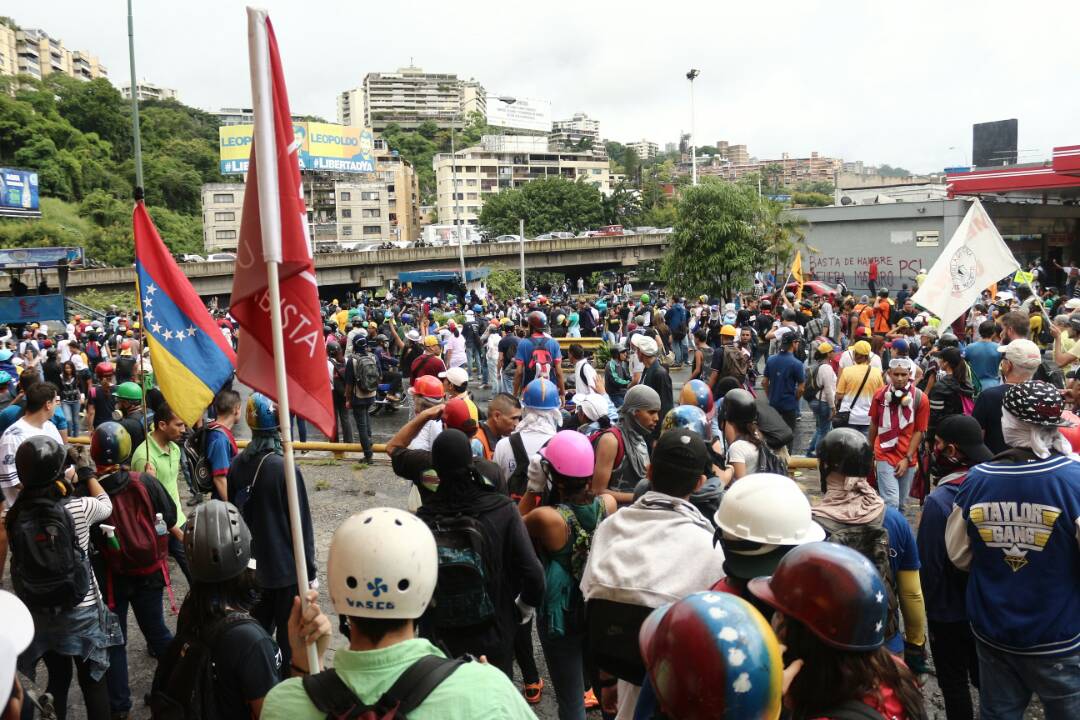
(644, 149)
(671, 147)
(148, 91)
(578, 133)
(410, 97)
(786, 171)
(241, 116)
(507, 161)
(31, 51)
(734, 154)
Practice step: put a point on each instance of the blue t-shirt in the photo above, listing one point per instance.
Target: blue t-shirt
(903, 555)
(13, 412)
(785, 374)
(525, 352)
(220, 453)
(984, 358)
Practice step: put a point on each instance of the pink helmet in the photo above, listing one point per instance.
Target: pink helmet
(570, 454)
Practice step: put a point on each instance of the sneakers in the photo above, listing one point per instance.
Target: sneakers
(590, 700)
(533, 691)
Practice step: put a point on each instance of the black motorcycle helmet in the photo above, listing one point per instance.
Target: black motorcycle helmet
(537, 320)
(845, 451)
(39, 461)
(110, 444)
(739, 406)
(948, 340)
(217, 542)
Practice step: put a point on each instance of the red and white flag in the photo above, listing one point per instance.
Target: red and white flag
(305, 352)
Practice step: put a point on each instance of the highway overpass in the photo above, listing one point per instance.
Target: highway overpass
(372, 270)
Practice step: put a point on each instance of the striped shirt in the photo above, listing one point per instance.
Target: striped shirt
(85, 512)
(12, 438)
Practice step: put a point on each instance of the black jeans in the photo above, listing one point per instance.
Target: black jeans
(957, 665)
(95, 694)
(523, 654)
(272, 612)
(790, 417)
(360, 410)
(176, 550)
(343, 418)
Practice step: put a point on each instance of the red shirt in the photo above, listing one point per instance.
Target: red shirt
(893, 455)
(872, 272)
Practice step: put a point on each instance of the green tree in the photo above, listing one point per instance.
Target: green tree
(631, 166)
(547, 205)
(622, 206)
(504, 282)
(615, 151)
(772, 176)
(811, 199)
(716, 244)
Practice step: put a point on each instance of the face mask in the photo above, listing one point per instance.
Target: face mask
(942, 464)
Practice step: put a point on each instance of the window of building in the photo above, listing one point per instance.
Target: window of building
(223, 198)
(346, 213)
(597, 171)
(390, 189)
(346, 229)
(346, 197)
(224, 217)
(471, 196)
(372, 213)
(225, 234)
(369, 196)
(471, 182)
(372, 229)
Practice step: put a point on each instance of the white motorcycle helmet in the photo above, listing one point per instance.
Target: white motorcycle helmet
(760, 513)
(383, 564)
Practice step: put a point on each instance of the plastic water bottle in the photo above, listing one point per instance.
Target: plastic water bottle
(159, 525)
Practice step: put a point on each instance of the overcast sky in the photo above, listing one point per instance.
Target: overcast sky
(897, 83)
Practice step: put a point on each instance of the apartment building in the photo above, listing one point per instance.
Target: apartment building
(507, 161)
(644, 149)
(343, 207)
(148, 91)
(410, 97)
(222, 205)
(31, 51)
(578, 133)
(788, 171)
(734, 154)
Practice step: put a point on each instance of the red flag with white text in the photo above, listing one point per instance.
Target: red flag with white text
(305, 352)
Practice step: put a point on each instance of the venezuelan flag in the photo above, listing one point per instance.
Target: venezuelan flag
(191, 358)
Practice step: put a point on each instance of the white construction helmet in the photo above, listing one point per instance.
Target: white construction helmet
(383, 564)
(768, 509)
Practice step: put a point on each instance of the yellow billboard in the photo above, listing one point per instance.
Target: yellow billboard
(323, 146)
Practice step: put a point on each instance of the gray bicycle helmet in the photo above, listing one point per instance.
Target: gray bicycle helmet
(217, 542)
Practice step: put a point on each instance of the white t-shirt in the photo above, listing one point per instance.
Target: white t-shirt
(584, 370)
(427, 435)
(455, 347)
(745, 452)
(10, 441)
(504, 453)
(493, 346)
(847, 359)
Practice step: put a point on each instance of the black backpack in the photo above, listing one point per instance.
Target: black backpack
(461, 596)
(366, 372)
(49, 569)
(769, 461)
(329, 693)
(184, 682)
(518, 482)
(872, 542)
(193, 454)
(611, 638)
(812, 386)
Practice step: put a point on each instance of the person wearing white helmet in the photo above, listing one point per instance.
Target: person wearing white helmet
(759, 520)
(382, 571)
(16, 632)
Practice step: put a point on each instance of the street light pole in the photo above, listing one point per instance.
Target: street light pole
(457, 207)
(693, 136)
(521, 239)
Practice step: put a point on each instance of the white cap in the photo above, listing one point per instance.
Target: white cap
(16, 632)
(1022, 353)
(456, 376)
(646, 345)
(1073, 304)
(594, 405)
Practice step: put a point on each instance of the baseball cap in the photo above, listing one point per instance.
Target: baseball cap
(461, 414)
(679, 452)
(1073, 304)
(861, 348)
(456, 376)
(965, 432)
(1022, 353)
(16, 632)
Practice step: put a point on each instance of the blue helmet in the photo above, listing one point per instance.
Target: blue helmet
(4, 378)
(690, 417)
(478, 309)
(5, 355)
(541, 394)
(388, 315)
(697, 392)
(262, 413)
(406, 318)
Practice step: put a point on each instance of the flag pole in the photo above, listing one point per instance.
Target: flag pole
(137, 136)
(270, 221)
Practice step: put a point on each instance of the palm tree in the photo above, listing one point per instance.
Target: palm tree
(783, 234)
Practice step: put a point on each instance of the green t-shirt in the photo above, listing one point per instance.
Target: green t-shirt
(167, 468)
(474, 691)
